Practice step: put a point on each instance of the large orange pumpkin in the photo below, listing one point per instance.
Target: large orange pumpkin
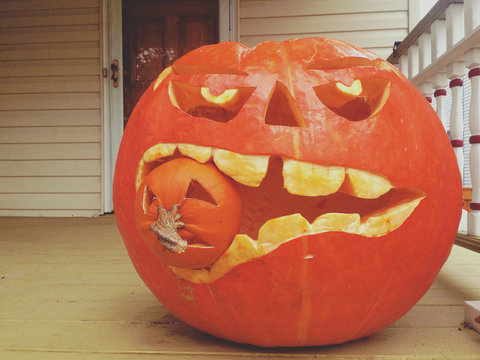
(308, 193)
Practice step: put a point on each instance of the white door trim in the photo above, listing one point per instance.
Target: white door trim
(228, 20)
(112, 96)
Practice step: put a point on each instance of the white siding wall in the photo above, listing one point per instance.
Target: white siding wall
(370, 24)
(50, 109)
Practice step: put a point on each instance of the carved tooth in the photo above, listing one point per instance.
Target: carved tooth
(200, 153)
(159, 151)
(246, 169)
(280, 229)
(140, 174)
(349, 223)
(307, 179)
(383, 223)
(365, 185)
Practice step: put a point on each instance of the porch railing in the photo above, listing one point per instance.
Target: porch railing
(441, 57)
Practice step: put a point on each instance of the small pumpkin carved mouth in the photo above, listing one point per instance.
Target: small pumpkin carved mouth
(284, 199)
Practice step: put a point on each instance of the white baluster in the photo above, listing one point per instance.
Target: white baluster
(403, 64)
(455, 72)
(472, 15)
(439, 83)
(455, 24)
(456, 121)
(427, 91)
(438, 31)
(473, 63)
(425, 50)
(413, 61)
(440, 99)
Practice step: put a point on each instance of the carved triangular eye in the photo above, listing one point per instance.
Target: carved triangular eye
(197, 191)
(357, 101)
(198, 101)
(282, 108)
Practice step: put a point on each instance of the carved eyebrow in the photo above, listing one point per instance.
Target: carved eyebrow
(348, 62)
(188, 69)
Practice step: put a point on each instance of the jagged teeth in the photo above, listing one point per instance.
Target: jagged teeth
(246, 169)
(279, 230)
(159, 151)
(307, 179)
(364, 184)
(388, 220)
(282, 228)
(349, 223)
(300, 178)
(200, 153)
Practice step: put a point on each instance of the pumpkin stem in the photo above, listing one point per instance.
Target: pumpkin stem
(166, 226)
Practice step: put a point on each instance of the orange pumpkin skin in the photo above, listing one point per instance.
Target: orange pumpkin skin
(316, 289)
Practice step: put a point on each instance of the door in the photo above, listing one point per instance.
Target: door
(156, 33)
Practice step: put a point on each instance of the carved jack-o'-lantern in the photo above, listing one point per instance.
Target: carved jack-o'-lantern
(295, 193)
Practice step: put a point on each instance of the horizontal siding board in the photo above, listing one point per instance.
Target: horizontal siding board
(50, 135)
(50, 168)
(50, 201)
(31, 5)
(49, 101)
(52, 20)
(50, 84)
(18, 151)
(364, 39)
(72, 184)
(59, 35)
(68, 117)
(323, 23)
(87, 50)
(258, 8)
(50, 213)
(62, 67)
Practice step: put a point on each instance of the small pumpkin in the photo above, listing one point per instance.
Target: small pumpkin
(288, 194)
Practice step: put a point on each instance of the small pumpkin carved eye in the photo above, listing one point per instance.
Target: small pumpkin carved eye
(197, 191)
(200, 102)
(357, 101)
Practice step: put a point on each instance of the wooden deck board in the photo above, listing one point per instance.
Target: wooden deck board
(69, 291)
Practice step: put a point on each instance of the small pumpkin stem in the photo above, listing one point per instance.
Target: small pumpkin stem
(166, 226)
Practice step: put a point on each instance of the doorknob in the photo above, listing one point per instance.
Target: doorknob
(114, 77)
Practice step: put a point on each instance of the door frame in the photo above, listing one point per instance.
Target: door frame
(113, 96)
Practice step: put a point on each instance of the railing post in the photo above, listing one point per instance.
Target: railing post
(456, 120)
(455, 71)
(438, 31)
(473, 63)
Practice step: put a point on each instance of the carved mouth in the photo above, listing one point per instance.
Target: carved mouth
(285, 198)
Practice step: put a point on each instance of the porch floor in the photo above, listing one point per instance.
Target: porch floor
(68, 291)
